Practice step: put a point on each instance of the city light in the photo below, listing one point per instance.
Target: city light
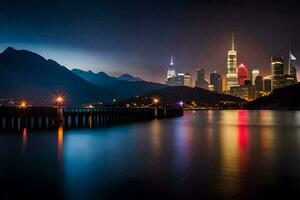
(155, 100)
(89, 106)
(59, 100)
(23, 104)
(181, 103)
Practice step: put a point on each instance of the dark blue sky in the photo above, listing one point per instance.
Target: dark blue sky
(138, 37)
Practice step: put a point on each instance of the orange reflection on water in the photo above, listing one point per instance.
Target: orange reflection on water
(90, 121)
(156, 137)
(24, 139)
(60, 141)
(234, 141)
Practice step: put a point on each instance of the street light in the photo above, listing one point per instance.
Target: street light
(23, 104)
(181, 104)
(59, 100)
(155, 100)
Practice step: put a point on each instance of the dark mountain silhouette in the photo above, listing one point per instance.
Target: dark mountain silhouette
(102, 79)
(282, 98)
(24, 74)
(121, 88)
(128, 77)
(98, 79)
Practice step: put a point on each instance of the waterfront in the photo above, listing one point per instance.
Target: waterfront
(204, 154)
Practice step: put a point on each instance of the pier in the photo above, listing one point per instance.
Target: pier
(38, 118)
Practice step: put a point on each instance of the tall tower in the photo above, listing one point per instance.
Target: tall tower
(231, 76)
(171, 70)
(277, 69)
(292, 65)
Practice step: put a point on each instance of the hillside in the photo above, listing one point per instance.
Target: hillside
(173, 95)
(282, 98)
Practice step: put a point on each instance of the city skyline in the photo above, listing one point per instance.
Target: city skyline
(139, 37)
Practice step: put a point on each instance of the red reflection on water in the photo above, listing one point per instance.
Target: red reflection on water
(243, 123)
(60, 141)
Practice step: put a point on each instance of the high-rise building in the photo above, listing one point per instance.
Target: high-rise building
(292, 66)
(201, 82)
(231, 76)
(267, 86)
(277, 69)
(216, 81)
(200, 74)
(187, 80)
(258, 83)
(224, 84)
(180, 79)
(242, 73)
(171, 70)
(171, 74)
(254, 74)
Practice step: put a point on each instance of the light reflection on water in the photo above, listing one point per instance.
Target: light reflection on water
(206, 154)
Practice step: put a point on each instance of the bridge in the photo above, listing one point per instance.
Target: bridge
(38, 118)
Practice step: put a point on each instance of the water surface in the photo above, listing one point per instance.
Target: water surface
(205, 154)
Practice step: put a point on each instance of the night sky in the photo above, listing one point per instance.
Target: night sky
(139, 37)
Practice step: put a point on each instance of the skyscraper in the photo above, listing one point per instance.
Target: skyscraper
(171, 74)
(171, 70)
(242, 73)
(277, 69)
(254, 74)
(258, 83)
(231, 76)
(216, 81)
(201, 82)
(180, 79)
(187, 80)
(267, 86)
(292, 66)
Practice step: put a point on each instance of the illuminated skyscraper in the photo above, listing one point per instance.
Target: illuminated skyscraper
(171, 70)
(242, 73)
(171, 74)
(187, 80)
(254, 74)
(231, 76)
(292, 66)
(277, 69)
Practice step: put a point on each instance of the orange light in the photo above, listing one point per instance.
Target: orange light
(59, 99)
(155, 101)
(23, 103)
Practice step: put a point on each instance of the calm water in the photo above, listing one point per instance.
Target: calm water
(205, 154)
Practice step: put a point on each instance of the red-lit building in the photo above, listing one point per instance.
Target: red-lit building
(242, 73)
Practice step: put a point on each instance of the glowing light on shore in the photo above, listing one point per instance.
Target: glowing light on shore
(23, 104)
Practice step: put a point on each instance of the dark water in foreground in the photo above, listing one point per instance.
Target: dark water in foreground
(205, 154)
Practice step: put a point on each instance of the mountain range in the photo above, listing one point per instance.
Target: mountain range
(24, 74)
(102, 79)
